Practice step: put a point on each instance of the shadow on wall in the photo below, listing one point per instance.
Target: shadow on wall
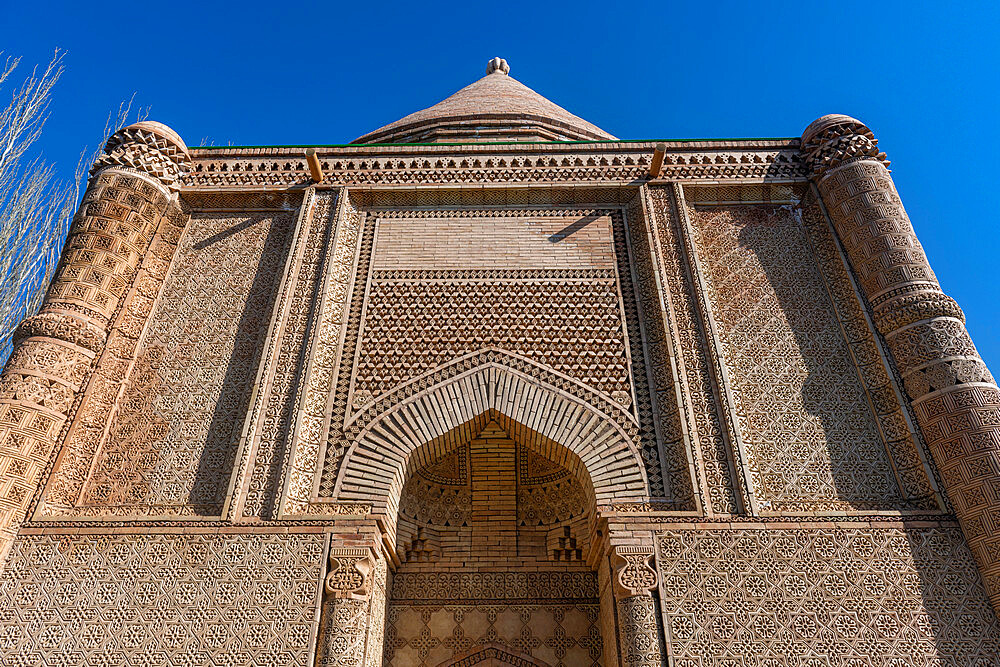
(215, 465)
(569, 230)
(799, 346)
(915, 589)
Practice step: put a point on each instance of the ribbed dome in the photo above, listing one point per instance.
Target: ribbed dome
(494, 108)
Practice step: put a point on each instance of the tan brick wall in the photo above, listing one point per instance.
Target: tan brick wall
(494, 243)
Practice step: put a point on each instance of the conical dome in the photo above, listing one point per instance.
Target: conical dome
(494, 108)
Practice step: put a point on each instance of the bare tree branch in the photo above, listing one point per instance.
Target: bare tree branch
(35, 206)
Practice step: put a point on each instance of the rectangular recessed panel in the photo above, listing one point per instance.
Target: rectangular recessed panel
(570, 242)
(172, 442)
(801, 410)
(865, 596)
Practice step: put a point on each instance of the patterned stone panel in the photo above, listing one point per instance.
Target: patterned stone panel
(659, 365)
(160, 600)
(962, 427)
(303, 461)
(571, 325)
(171, 445)
(550, 616)
(907, 450)
(851, 597)
(36, 393)
(100, 400)
(559, 635)
(525, 164)
(275, 423)
(116, 221)
(801, 408)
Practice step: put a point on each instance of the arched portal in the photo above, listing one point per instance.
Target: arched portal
(592, 433)
(496, 541)
(488, 486)
(492, 656)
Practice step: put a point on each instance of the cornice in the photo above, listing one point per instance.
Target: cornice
(487, 164)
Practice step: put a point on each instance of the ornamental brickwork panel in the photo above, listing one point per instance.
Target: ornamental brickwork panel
(541, 287)
(702, 411)
(550, 285)
(267, 459)
(561, 635)
(838, 597)
(160, 600)
(171, 445)
(549, 616)
(801, 408)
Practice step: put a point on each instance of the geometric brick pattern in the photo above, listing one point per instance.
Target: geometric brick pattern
(108, 241)
(702, 409)
(561, 635)
(414, 326)
(169, 599)
(839, 597)
(799, 402)
(962, 427)
(171, 445)
(273, 416)
(923, 327)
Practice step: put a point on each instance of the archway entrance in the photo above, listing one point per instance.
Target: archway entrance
(496, 547)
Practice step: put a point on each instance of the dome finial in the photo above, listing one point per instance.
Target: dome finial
(497, 65)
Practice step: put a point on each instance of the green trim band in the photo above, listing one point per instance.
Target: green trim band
(496, 143)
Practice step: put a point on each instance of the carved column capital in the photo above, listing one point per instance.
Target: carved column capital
(351, 625)
(834, 139)
(349, 574)
(149, 148)
(633, 572)
(634, 580)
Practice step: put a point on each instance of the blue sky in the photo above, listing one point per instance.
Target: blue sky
(923, 76)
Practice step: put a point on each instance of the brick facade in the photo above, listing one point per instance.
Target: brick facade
(484, 397)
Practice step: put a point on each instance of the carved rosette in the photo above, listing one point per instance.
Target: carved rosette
(352, 624)
(953, 394)
(128, 199)
(634, 579)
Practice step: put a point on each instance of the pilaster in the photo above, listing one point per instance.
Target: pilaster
(634, 579)
(352, 623)
(130, 195)
(953, 395)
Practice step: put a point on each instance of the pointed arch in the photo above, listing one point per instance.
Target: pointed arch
(557, 424)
